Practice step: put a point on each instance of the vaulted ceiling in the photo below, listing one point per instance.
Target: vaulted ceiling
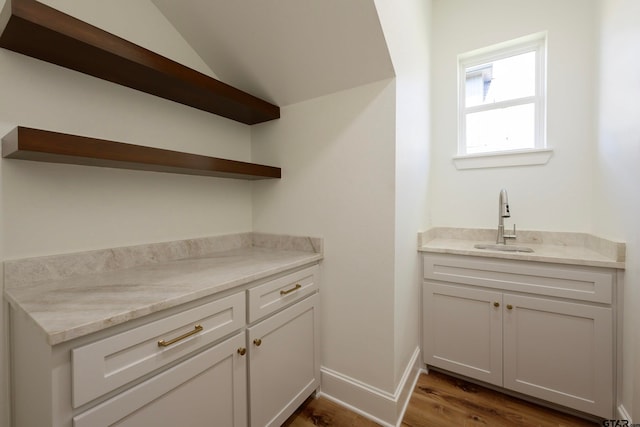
(285, 51)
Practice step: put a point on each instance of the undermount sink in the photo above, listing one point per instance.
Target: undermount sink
(504, 248)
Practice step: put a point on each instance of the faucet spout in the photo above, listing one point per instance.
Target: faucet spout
(503, 201)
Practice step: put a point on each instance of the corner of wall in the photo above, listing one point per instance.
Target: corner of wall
(386, 409)
(5, 395)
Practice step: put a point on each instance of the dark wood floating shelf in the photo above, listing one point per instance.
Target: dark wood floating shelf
(53, 147)
(39, 31)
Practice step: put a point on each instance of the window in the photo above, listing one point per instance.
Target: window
(502, 98)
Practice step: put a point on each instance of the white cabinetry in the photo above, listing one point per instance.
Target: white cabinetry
(559, 351)
(186, 366)
(284, 351)
(108, 363)
(211, 385)
(284, 362)
(545, 330)
(463, 331)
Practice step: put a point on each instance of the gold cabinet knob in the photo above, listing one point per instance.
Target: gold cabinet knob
(496, 304)
(257, 342)
(242, 351)
(509, 307)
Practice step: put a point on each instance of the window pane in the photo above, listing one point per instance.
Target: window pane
(501, 129)
(502, 80)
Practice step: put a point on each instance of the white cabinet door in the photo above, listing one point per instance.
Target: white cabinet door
(463, 331)
(284, 365)
(559, 351)
(207, 390)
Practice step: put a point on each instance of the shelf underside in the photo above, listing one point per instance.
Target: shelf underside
(37, 30)
(53, 147)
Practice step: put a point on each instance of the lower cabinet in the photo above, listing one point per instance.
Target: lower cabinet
(209, 386)
(283, 363)
(212, 385)
(556, 349)
(463, 331)
(249, 358)
(559, 351)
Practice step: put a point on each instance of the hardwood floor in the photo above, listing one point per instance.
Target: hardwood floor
(325, 413)
(439, 400)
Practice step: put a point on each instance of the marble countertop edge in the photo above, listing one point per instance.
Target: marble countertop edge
(56, 336)
(69, 301)
(30, 271)
(552, 247)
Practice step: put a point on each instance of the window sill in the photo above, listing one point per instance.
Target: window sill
(537, 156)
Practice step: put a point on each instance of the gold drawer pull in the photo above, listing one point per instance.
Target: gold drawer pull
(242, 351)
(496, 304)
(509, 307)
(257, 342)
(196, 329)
(288, 291)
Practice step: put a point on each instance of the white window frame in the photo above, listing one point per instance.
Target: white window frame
(540, 153)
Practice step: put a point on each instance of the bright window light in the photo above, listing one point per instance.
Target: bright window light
(502, 98)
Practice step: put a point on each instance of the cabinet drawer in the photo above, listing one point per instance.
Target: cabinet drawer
(105, 365)
(557, 280)
(207, 389)
(278, 293)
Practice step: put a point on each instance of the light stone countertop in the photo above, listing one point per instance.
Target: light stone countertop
(553, 247)
(70, 306)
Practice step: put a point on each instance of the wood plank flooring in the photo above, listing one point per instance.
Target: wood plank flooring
(326, 413)
(439, 400)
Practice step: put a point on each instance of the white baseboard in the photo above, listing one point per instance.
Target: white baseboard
(378, 405)
(623, 414)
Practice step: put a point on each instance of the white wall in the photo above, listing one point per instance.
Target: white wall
(56, 208)
(357, 174)
(406, 26)
(48, 208)
(556, 196)
(123, 18)
(617, 209)
(338, 183)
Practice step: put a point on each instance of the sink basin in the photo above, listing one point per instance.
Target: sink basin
(504, 248)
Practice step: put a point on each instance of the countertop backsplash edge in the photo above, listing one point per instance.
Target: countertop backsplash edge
(28, 271)
(612, 250)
